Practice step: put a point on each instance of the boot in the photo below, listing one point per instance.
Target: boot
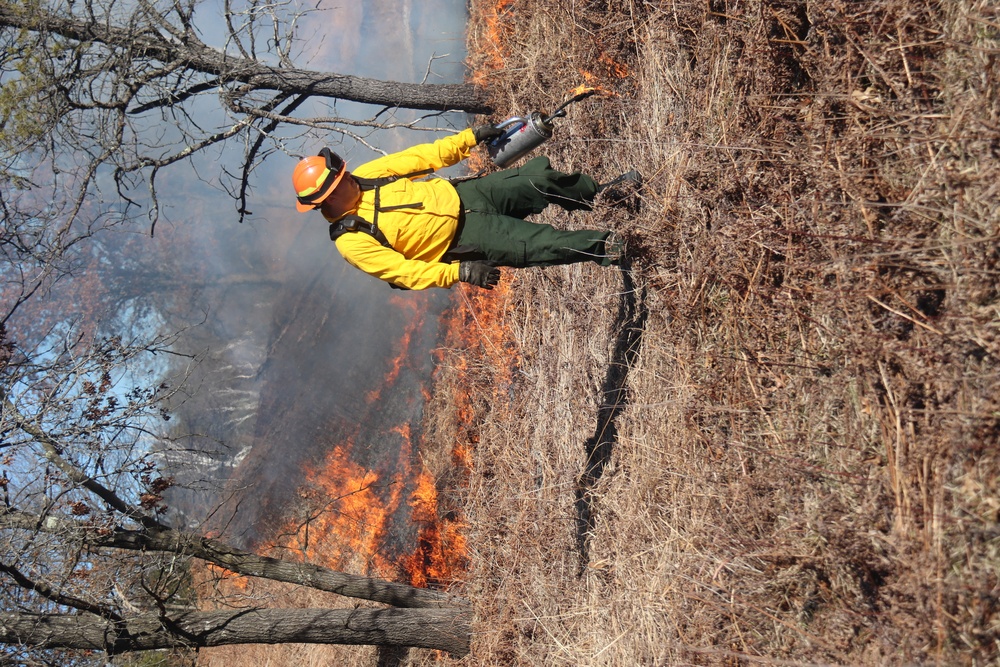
(633, 177)
(622, 191)
(615, 250)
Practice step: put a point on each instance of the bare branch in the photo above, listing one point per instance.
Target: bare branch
(52, 451)
(55, 596)
(252, 154)
(175, 98)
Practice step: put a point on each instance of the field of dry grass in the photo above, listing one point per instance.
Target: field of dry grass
(805, 461)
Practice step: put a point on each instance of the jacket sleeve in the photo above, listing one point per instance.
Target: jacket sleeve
(436, 155)
(367, 254)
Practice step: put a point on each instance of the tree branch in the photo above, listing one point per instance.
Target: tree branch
(176, 98)
(442, 629)
(53, 453)
(219, 553)
(259, 76)
(258, 142)
(66, 600)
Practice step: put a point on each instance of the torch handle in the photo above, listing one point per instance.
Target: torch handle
(514, 123)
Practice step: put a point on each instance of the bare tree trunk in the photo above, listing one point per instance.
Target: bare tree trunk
(314, 576)
(194, 55)
(441, 629)
(219, 553)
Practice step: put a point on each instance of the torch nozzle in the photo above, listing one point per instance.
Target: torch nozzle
(578, 94)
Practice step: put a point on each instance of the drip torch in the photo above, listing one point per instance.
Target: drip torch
(525, 133)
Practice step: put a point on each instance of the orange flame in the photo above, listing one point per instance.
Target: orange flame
(350, 508)
(582, 89)
(592, 84)
(497, 36)
(221, 574)
(347, 520)
(615, 68)
(351, 534)
(441, 550)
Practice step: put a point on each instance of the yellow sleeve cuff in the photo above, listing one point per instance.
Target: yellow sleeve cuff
(468, 136)
(452, 274)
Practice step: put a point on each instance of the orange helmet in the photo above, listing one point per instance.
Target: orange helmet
(315, 177)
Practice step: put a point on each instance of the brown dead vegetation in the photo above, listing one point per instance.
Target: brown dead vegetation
(806, 465)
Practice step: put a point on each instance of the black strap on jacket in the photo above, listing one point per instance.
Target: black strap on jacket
(355, 223)
(370, 183)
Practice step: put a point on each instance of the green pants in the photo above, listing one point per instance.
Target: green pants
(494, 228)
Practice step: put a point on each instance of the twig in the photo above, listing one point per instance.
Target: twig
(907, 317)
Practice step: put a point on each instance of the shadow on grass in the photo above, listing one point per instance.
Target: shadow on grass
(629, 324)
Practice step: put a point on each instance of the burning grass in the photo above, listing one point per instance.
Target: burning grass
(345, 514)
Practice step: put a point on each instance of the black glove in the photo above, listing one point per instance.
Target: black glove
(486, 132)
(480, 274)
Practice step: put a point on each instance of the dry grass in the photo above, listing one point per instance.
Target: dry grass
(806, 468)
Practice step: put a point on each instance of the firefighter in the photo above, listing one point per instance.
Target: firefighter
(416, 234)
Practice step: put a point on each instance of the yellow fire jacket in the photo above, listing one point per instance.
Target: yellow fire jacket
(418, 217)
